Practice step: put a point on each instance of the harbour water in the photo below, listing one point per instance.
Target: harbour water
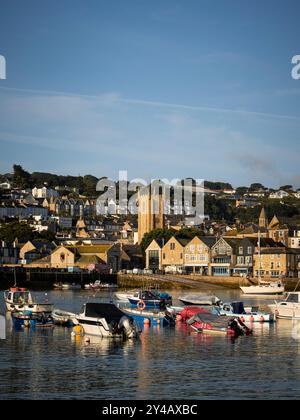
(166, 363)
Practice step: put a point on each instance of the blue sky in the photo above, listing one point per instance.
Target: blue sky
(168, 88)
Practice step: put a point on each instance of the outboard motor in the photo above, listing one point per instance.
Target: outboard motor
(128, 327)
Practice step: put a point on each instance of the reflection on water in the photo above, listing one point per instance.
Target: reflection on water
(168, 363)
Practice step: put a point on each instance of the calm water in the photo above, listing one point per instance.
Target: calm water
(164, 364)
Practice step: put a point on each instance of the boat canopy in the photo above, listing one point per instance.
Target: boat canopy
(238, 308)
(103, 310)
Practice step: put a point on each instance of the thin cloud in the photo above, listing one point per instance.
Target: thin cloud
(115, 98)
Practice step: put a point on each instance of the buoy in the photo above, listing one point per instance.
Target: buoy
(252, 318)
(158, 321)
(262, 319)
(77, 329)
(178, 318)
(242, 319)
(146, 321)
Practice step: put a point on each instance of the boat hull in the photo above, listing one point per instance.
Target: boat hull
(141, 317)
(262, 290)
(34, 307)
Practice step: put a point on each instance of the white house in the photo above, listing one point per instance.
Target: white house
(44, 192)
(5, 185)
(279, 195)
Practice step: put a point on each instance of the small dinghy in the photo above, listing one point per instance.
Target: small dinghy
(143, 299)
(66, 286)
(63, 318)
(200, 300)
(106, 320)
(28, 319)
(98, 285)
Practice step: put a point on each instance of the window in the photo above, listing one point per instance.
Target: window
(172, 246)
(164, 256)
(241, 250)
(240, 260)
(200, 248)
(192, 248)
(249, 251)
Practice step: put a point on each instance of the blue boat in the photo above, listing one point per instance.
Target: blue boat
(147, 299)
(143, 317)
(27, 319)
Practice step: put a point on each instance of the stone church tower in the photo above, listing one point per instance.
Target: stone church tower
(263, 221)
(150, 211)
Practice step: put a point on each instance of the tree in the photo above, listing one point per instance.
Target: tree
(256, 187)
(10, 231)
(21, 178)
(286, 188)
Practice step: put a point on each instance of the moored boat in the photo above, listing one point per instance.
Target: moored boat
(63, 318)
(213, 324)
(149, 317)
(200, 300)
(143, 299)
(66, 286)
(264, 288)
(20, 299)
(106, 320)
(27, 319)
(289, 308)
(98, 285)
(237, 309)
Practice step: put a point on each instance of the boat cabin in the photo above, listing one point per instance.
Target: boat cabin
(293, 298)
(18, 296)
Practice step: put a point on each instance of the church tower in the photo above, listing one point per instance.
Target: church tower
(263, 221)
(150, 211)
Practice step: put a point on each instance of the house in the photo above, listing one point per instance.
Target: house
(173, 253)
(9, 253)
(44, 192)
(197, 255)
(294, 237)
(33, 250)
(279, 195)
(223, 257)
(278, 231)
(244, 258)
(154, 255)
(5, 185)
(275, 260)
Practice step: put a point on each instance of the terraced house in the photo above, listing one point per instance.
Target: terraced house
(173, 253)
(197, 255)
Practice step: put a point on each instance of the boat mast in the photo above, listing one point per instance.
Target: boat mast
(259, 258)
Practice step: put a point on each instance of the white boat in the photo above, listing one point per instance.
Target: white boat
(248, 315)
(20, 299)
(200, 300)
(66, 286)
(273, 288)
(288, 308)
(106, 320)
(63, 318)
(2, 327)
(98, 285)
(263, 287)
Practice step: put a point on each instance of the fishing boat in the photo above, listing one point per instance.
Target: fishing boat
(149, 317)
(98, 285)
(28, 319)
(20, 299)
(143, 299)
(289, 308)
(63, 318)
(237, 309)
(200, 300)
(213, 324)
(263, 287)
(106, 320)
(66, 286)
